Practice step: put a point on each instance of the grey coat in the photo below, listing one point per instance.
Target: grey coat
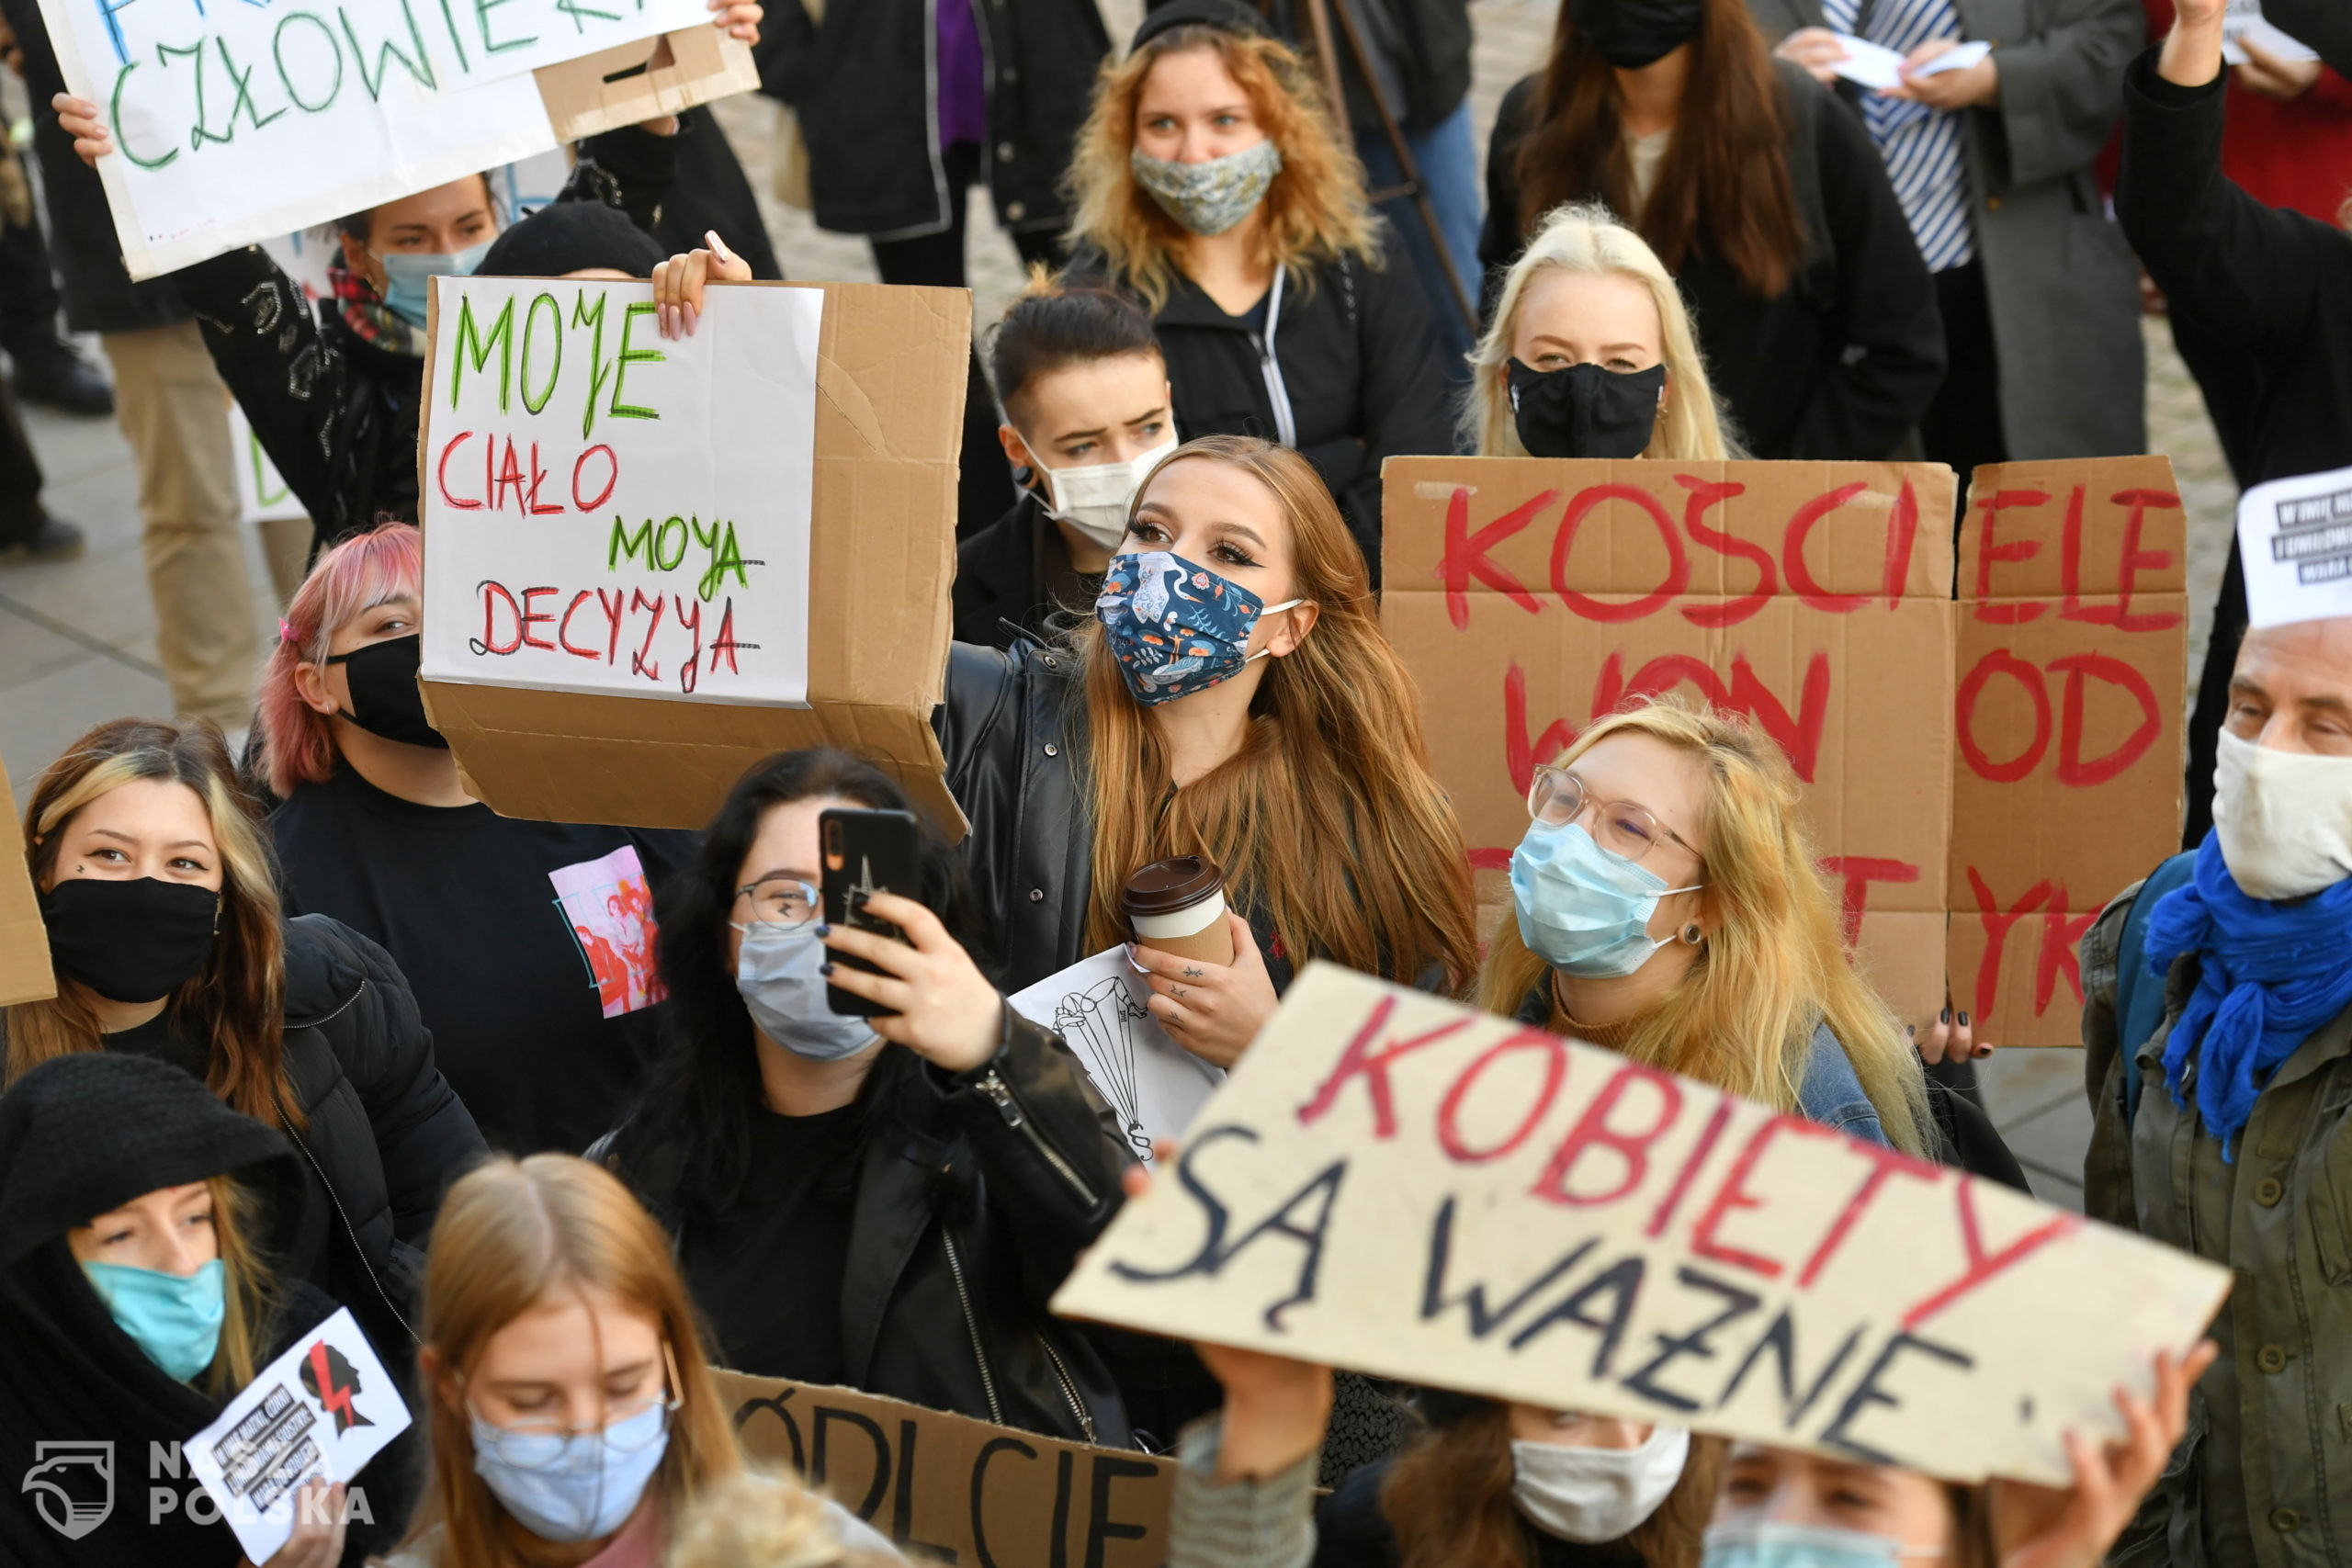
(2061, 283)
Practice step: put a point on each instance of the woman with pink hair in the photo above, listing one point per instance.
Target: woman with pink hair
(500, 923)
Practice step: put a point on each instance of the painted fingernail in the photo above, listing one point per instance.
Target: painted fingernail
(1912, 1030)
(1964, 1020)
(1947, 1015)
(825, 969)
(693, 316)
(1983, 1050)
(823, 930)
(718, 246)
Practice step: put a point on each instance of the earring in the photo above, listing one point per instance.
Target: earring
(1692, 935)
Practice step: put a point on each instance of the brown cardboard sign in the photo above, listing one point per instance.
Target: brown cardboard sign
(644, 78)
(25, 973)
(956, 1490)
(1816, 598)
(2068, 776)
(889, 376)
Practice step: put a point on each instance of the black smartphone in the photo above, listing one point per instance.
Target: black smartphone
(863, 852)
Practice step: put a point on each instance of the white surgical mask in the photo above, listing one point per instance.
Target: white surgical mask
(1094, 499)
(1596, 1494)
(2285, 818)
(779, 977)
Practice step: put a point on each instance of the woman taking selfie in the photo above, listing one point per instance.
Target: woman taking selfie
(164, 927)
(1214, 186)
(1766, 200)
(884, 1203)
(569, 1414)
(1666, 904)
(527, 943)
(137, 1295)
(1591, 353)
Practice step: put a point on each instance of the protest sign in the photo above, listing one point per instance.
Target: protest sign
(664, 74)
(25, 974)
(2295, 540)
(1099, 1006)
(321, 1410)
(625, 602)
(2066, 782)
(1816, 598)
(1414, 1189)
(956, 1490)
(263, 494)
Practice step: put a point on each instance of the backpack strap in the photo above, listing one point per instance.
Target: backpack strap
(2140, 996)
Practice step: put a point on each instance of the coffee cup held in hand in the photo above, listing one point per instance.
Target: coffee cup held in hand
(1178, 906)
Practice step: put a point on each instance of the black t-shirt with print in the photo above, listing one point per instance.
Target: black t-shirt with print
(536, 995)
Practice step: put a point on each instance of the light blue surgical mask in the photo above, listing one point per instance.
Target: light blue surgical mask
(778, 976)
(572, 1486)
(408, 276)
(175, 1319)
(1585, 911)
(1770, 1545)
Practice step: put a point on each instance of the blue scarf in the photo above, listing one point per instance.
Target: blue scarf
(2268, 974)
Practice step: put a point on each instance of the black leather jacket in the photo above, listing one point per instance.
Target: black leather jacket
(961, 1228)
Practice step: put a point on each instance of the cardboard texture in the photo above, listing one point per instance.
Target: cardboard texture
(1816, 598)
(1415, 1190)
(649, 76)
(1538, 595)
(888, 423)
(25, 973)
(2066, 784)
(952, 1489)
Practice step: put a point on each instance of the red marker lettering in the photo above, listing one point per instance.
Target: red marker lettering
(1982, 1266)
(2001, 661)
(441, 474)
(1705, 494)
(2072, 767)
(1857, 873)
(1593, 1128)
(532, 617)
(1734, 1195)
(1997, 933)
(1465, 554)
(1988, 552)
(1678, 563)
(1449, 1111)
(1358, 1060)
(1792, 561)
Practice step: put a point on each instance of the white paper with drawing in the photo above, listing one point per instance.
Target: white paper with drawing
(1097, 1005)
(321, 1410)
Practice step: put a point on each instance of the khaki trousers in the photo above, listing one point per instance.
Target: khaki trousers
(175, 411)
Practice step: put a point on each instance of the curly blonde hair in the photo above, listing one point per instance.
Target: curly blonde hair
(1315, 210)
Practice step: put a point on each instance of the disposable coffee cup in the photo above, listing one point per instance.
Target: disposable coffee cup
(1178, 906)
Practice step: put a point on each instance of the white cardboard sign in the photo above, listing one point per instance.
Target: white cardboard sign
(1407, 1188)
(322, 1409)
(613, 513)
(2295, 542)
(1098, 1008)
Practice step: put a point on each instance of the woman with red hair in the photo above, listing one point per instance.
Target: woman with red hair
(527, 942)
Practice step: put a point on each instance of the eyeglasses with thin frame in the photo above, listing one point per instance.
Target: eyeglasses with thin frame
(1556, 797)
(668, 1400)
(780, 902)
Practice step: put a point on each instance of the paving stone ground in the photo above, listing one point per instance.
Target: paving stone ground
(78, 638)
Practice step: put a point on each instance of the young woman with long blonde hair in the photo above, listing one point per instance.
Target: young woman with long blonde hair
(1666, 903)
(163, 923)
(1591, 353)
(569, 1411)
(1213, 184)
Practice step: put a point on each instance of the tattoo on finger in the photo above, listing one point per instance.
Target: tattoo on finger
(1192, 973)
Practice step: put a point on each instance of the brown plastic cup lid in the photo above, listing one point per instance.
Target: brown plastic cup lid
(1166, 887)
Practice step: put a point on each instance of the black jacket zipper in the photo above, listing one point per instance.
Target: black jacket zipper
(971, 1325)
(995, 1089)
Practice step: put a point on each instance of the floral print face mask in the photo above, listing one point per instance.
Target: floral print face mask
(1209, 198)
(1176, 627)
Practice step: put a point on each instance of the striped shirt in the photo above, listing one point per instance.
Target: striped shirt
(1924, 151)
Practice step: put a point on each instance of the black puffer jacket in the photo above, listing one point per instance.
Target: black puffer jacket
(337, 413)
(863, 86)
(966, 1220)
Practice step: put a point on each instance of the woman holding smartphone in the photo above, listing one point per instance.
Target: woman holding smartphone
(881, 1202)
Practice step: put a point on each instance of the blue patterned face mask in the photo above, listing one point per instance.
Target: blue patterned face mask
(1212, 196)
(1175, 627)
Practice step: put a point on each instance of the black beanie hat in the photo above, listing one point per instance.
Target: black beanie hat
(84, 1133)
(1232, 15)
(572, 236)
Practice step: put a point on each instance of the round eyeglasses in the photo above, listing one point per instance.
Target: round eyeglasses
(780, 902)
(1556, 797)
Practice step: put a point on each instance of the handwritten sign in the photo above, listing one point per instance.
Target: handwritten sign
(952, 1489)
(1815, 599)
(1098, 1008)
(1407, 1188)
(320, 1411)
(2295, 541)
(609, 511)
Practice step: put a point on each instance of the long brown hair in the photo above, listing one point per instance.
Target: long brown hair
(1724, 186)
(1315, 210)
(510, 1233)
(1776, 968)
(1329, 819)
(236, 1003)
(1448, 1498)
(250, 1299)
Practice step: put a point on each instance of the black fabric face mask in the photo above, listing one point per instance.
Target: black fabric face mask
(1630, 34)
(134, 941)
(384, 698)
(1585, 410)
